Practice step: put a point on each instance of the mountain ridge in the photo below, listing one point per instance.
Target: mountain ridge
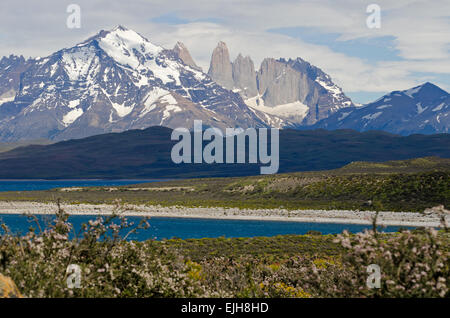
(422, 109)
(147, 154)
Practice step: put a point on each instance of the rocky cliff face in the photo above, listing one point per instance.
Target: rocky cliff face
(291, 89)
(244, 76)
(183, 53)
(220, 69)
(283, 82)
(279, 83)
(10, 69)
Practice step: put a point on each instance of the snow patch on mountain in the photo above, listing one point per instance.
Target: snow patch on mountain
(372, 116)
(150, 100)
(200, 76)
(121, 109)
(160, 96)
(420, 109)
(334, 89)
(166, 71)
(273, 121)
(71, 116)
(439, 107)
(74, 103)
(6, 99)
(169, 109)
(412, 91)
(289, 110)
(169, 99)
(344, 115)
(78, 63)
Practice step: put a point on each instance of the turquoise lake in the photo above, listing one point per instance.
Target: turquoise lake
(33, 185)
(166, 228)
(185, 228)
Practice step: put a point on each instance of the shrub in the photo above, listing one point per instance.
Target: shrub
(110, 265)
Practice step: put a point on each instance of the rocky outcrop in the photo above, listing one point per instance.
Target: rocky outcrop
(10, 69)
(220, 69)
(8, 289)
(183, 53)
(282, 82)
(244, 76)
(291, 89)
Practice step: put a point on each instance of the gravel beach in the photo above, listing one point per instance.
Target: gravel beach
(319, 216)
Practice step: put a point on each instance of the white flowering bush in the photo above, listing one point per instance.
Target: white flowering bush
(412, 263)
(110, 265)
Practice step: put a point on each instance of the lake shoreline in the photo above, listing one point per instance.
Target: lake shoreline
(407, 219)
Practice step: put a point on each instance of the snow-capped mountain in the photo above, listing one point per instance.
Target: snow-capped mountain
(423, 109)
(114, 81)
(118, 80)
(291, 89)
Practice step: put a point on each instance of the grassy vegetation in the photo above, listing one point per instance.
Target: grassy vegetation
(271, 248)
(408, 185)
(7, 146)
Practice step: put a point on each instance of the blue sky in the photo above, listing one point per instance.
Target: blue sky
(173, 18)
(412, 45)
(369, 49)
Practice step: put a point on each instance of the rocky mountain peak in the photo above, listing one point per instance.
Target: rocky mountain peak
(222, 45)
(123, 45)
(12, 58)
(183, 53)
(120, 31)
(289, 88)
(244, 76)
(10, 70)
(425, 91)
(220, 69)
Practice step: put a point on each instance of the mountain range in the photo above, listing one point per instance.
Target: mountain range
(302, 93)
(422, 109)
(114, 81)
(290, 89)
(118, 80)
